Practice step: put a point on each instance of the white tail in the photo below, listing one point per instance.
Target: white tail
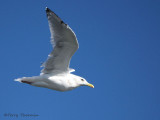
(27, 80)
(19, 79)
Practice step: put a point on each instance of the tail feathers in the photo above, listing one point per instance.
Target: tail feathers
(19, 79)
(24, 80)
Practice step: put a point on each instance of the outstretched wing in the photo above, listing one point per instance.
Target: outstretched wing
(64, 42)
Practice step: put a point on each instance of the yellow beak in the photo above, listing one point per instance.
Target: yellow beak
(90, 85)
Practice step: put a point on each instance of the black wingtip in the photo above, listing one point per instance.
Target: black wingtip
(47, 9)
(48, 12)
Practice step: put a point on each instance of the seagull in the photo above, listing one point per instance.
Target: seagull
(56, 74)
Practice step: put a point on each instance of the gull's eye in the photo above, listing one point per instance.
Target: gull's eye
(82, 79)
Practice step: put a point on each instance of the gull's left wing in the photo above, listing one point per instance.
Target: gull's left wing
(64, 42)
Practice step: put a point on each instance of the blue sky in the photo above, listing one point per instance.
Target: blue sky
(119, 53)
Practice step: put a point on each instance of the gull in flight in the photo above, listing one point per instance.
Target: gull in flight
(56, 73)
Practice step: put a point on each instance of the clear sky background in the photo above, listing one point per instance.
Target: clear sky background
(119, 53)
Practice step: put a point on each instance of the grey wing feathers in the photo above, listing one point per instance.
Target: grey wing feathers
(64, 42)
